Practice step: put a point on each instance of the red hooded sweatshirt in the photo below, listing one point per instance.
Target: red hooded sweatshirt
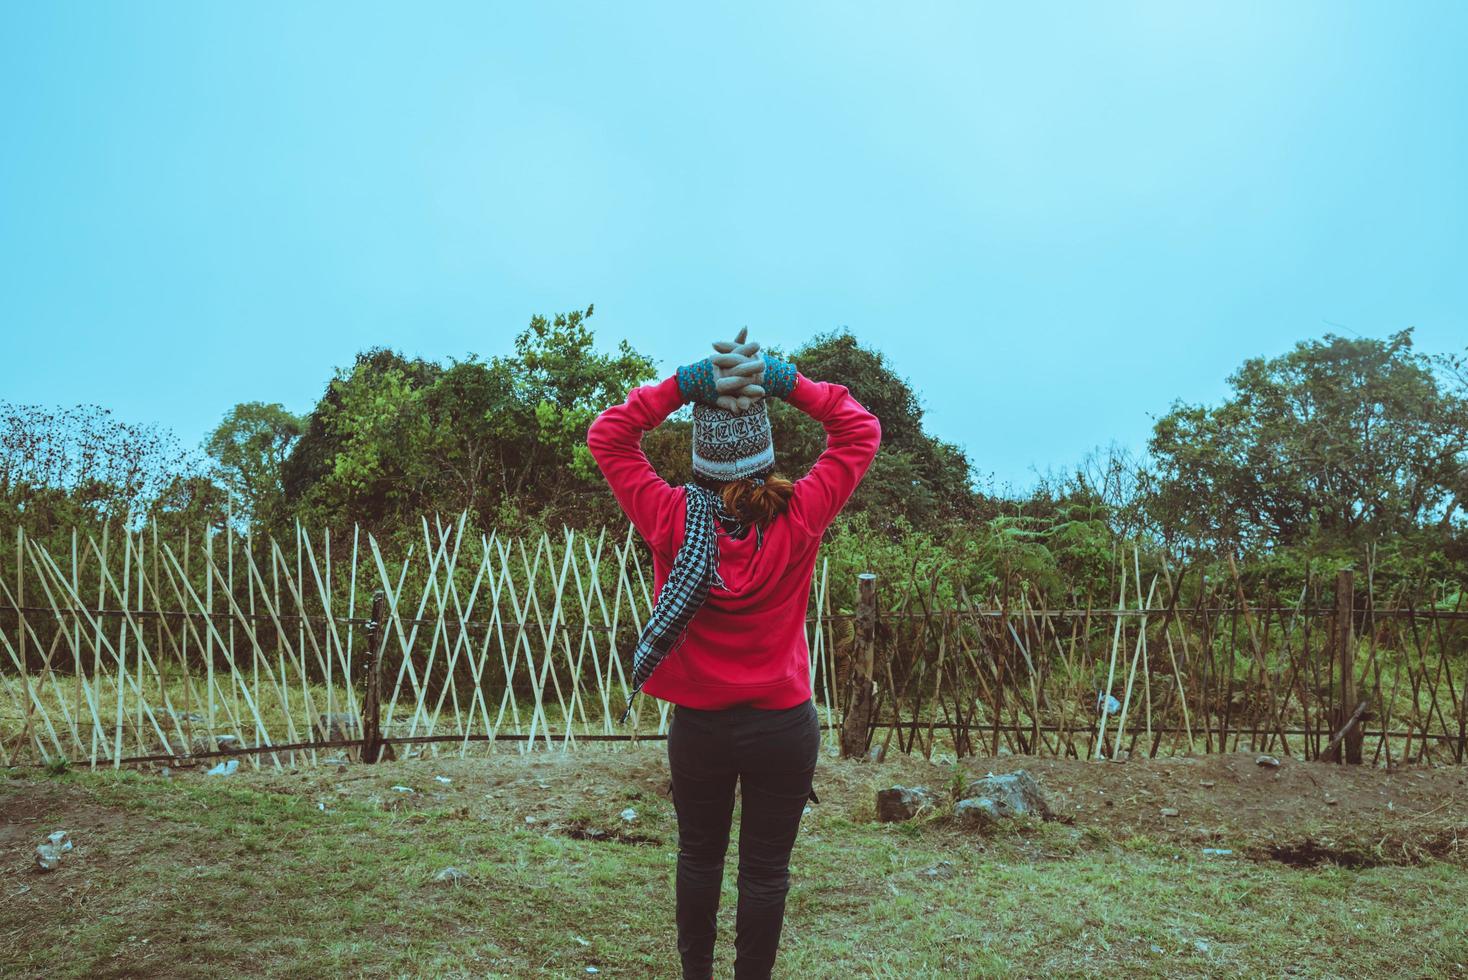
(746, 644)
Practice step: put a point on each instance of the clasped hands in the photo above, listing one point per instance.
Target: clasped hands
(737, 376)
(739, 373)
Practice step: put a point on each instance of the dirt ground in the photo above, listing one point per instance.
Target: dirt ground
(1301, 813)
(1123, 882)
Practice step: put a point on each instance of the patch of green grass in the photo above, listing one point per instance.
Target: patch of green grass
(210, 876)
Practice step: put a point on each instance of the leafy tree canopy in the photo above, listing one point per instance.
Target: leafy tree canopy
(1338, 442)
(393, 439)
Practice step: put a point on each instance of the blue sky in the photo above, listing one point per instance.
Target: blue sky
(1053, 219)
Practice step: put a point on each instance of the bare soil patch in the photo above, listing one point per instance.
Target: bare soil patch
(1300, 813)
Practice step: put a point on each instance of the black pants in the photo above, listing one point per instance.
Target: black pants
(772, 753)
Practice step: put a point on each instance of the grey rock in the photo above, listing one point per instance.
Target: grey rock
(451, 876)
(902, 802)
(1268, 761)
(1000, 797)
(982, 810)
(228, 768)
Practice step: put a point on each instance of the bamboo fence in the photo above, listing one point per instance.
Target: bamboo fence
(132, 648)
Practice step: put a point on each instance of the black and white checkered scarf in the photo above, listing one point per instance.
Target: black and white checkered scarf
(695, 570)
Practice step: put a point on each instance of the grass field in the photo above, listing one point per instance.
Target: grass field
(330, 872)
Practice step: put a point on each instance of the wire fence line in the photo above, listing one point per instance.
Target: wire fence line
(131, 647)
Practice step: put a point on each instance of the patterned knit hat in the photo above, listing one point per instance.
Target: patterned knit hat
(731, 445)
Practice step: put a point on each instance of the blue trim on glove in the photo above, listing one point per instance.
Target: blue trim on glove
(696, 382)
(779, 376)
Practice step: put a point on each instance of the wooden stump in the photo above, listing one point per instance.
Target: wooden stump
(858, 719)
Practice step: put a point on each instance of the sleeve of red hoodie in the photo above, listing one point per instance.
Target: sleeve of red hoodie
(615, 441)
(853, 435)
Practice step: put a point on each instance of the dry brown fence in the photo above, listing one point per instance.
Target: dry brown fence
(1334, 674)
(129, 647)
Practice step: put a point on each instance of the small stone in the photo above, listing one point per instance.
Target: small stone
(902, 802)
(442, 779)
(629, 814)
(1206, 784)
(1168, 811)
(451, 876)
(530, 820)
(1267, 760)
(402, 789)
(228, 768)
(1331, 802)
(1201, 945)
(1217, 851)
(877, 753)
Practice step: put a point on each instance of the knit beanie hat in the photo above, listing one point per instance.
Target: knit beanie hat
(731, 445)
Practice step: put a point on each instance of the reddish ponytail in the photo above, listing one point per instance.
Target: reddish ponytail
(755, 503)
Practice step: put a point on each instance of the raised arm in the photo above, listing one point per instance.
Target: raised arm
(852, 437)
(615, 441)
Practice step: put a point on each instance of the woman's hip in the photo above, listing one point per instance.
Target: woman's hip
(758, 737)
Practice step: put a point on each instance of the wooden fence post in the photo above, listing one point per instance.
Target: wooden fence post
(863, 666)
(376, 640)
(1346, 718)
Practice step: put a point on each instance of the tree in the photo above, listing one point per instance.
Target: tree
(915, 476)
(566, 384)
(81, 464)
(393, 438)
(1339, 442)
(361, 456)
(250, 447)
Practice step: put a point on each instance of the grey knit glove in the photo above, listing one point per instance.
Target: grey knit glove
(740, 373)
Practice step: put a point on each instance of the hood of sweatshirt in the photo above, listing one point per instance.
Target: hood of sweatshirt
(752, 569)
